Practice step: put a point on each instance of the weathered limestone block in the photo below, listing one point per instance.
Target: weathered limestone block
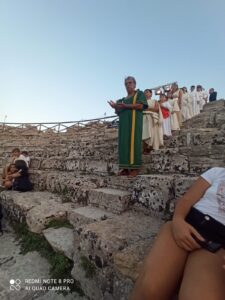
(94, 285)
(178, 140)
(38, 178)
(100, 240)
(153, 194)
(203, 136)
(99, 246)
(122, 288)
(39, 216)
(61, 239)
(214, 106)
(87, 214)
(202, 157)
(91, 166)
(52, 295)
(182, 184)
(71, 186)
(53, 163)
(36, 208)
(116, 201)
(35, 163)
(17, 205)
(127, 265)
(219, 138)
(219, 120)
(28, 266)
(167, 161)
(129, 261)
(120, 182)
(204, 120)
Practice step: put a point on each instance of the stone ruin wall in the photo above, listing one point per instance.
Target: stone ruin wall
(76, 161)
(115, 219)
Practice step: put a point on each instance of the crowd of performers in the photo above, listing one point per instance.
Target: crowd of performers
(166, 115)
(144, 123)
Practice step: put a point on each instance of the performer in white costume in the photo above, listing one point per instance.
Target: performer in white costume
(194, 100)
(185, 109)
(152, 134)
(199, 96)
(174, 109)
(205, 95)
(166, 111)
(177, 97)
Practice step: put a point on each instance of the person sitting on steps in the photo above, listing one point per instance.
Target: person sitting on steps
(8, 181)
(188, 255)
(21, 181)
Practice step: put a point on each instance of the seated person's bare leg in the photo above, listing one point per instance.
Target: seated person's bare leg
(8, 184)
(204, 277)
(4, 173)
(162, 270)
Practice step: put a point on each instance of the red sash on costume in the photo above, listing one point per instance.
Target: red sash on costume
(165, 112)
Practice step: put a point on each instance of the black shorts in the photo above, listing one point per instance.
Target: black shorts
(212, 230)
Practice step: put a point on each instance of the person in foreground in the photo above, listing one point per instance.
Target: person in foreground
(188, 257)
(130, 111)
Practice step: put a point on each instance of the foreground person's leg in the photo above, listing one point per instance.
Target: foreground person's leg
(162, 270)
(204, 277)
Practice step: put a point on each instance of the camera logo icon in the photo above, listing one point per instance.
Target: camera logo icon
(15, 284)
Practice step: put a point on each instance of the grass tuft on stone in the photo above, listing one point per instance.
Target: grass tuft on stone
(88, 267)
(60, 265)
(59, 223)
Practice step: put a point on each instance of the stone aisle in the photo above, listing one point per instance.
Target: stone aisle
(14, 266)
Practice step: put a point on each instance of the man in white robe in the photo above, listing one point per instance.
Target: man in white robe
(194, 100)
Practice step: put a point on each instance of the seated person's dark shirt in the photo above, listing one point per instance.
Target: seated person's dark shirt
(212, 96)
(22, 183)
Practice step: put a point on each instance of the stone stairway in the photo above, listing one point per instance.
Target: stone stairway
(113, 219)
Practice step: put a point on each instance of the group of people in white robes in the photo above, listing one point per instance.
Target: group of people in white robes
(198, 97)
(166, 115)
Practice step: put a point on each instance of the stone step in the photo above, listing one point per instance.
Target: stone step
(156, 195)
(83, 165)
(113, 200)
(151, 193)
(99, 244)
(36, 208)
(61, 239)
(127, 266)
(212, 116)
(192, 136)
(87, 214)
(115, 234)
(215, 105)
(165, 161)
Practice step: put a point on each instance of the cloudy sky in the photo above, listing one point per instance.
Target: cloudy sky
(61, 60)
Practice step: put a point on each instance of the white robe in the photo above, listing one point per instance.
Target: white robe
(152, 132)
(200, 99)
(185, 107)
(167, 122)
(190, 105)
(173, 116)
(195, 102)
(204, 97)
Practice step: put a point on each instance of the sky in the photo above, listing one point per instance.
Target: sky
(62, 60)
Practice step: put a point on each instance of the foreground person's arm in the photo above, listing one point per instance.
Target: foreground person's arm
(182, 231)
